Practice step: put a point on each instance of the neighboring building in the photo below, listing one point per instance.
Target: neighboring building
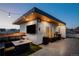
(12, 30)
(38, 24)
(70, 31)
(76, 30)
(2, 30)
(8, 31)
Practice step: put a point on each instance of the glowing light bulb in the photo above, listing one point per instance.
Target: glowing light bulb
(9, 15)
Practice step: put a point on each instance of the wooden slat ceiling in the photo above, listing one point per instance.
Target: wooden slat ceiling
(34, 16)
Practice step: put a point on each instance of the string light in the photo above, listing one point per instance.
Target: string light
(9, 13)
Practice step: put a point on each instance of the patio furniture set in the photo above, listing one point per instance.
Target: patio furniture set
(14, 47)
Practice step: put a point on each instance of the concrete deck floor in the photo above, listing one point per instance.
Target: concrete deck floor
(66, 47)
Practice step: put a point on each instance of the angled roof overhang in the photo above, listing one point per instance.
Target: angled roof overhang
(37, 13)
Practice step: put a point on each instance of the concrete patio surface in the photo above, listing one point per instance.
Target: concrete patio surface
(66, 47)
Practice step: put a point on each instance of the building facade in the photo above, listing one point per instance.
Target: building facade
(38, 24)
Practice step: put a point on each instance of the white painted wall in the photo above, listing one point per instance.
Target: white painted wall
(39, 34)
(61, 30)
(42, 31)
(44, 25)
(32, 37)
(38, 37)
(53, 30)
(23, 28)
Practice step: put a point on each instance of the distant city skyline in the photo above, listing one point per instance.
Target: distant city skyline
(68, 13)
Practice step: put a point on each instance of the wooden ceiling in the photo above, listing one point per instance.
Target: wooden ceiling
(34, 16)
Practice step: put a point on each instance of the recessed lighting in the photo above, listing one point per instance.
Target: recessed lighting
(32, 13)
(27, 19)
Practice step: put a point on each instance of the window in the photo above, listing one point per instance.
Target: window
(31, 29)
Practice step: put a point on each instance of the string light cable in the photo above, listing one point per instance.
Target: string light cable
(9, 13)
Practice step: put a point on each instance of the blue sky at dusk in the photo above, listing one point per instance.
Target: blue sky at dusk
(68, 13)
